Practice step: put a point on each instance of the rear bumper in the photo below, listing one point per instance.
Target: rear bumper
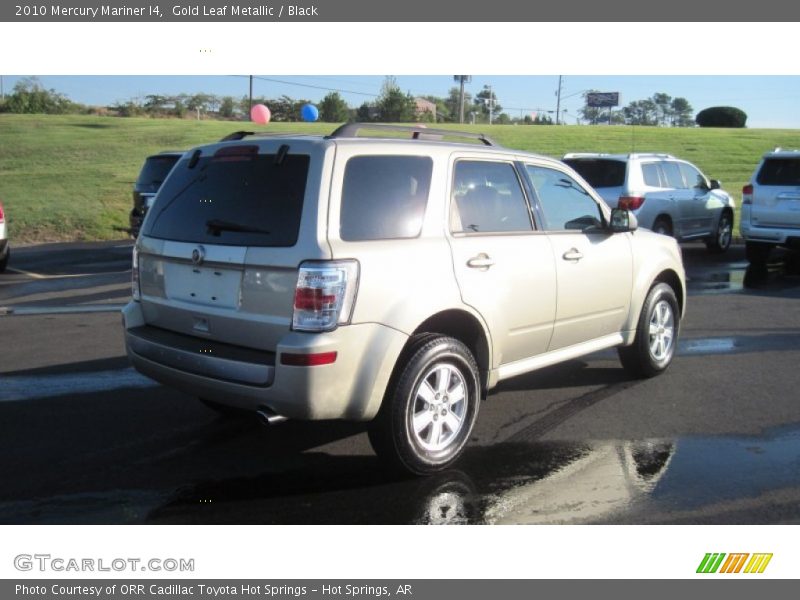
(783, 236)
(350, 388)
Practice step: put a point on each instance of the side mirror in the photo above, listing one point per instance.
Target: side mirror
(715, 184)
(623, 221)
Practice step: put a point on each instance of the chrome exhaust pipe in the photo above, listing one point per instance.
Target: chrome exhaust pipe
(267, 416)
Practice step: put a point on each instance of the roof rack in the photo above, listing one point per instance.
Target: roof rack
(418, 132)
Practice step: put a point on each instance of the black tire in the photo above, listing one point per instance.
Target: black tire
(757, 253)
(227, 412)
(659, 323)
(663, 226)
(443, 424)
(4, 260)
(720, 241)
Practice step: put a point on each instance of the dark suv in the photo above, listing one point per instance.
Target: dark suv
(154, 171)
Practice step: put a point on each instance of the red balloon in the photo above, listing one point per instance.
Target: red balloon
(260, 114)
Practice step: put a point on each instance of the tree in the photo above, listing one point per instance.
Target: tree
(333, 109)
(682, 113)
(592, 114)
(202, 102)
(179, 106)
(721, 116)
(393, 105)
(641, 112)
(128, 109)
(663, 103)
(30, 96)
(451, 103)
(364, 113)
(227, 107)
(486, 98)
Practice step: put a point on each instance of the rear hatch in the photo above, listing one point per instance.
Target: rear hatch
(776, 195)
(220, 249)
(605, 175)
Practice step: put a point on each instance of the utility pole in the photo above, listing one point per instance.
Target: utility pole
(490, 102)
(558, 102)
(251, 94)
(462, 79)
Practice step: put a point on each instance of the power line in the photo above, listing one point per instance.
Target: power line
(308, 85)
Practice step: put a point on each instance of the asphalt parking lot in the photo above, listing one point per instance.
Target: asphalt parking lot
(85, 439)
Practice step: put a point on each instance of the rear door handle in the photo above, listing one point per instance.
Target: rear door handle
(572, 254)
(482, 261)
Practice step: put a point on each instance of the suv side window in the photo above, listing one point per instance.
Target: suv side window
(651, 175)
(673, 175)
(488, 198)
(693, 177)
(565, 204)
(384, 197)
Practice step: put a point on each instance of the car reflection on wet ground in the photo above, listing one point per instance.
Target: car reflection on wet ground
(718, 274)
(691, 479)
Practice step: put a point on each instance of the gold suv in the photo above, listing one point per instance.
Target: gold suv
(388, 280)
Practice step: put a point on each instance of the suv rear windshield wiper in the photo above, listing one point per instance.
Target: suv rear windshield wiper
(216, 226)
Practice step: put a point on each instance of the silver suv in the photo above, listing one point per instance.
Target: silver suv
(388, 280)
(771, 205)
(668, 195)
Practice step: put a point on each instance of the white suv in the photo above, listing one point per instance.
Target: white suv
(771, 205)
(388, 280)
(668, 195)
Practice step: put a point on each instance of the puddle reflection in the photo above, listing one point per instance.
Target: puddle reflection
(514, 483)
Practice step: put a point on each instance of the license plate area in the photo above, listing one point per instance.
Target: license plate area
(205, 286)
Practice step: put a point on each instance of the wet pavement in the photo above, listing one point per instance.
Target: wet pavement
(692, 479)
(727, 273)
(715, 440)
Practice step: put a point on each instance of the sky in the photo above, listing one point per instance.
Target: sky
(769, 101)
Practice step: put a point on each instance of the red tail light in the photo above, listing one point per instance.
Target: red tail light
(630, 202)
(324, 295)
(747, 194)
(2, 214)
(313, 299)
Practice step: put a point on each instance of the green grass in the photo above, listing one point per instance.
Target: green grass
(70, 177)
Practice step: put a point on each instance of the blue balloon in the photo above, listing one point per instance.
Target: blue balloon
(309, 112)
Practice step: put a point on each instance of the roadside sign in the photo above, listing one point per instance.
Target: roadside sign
(602, 99)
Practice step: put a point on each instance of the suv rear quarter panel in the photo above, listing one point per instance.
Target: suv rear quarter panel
(402, 282)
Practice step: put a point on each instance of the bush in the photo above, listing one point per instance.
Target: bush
(721, 116)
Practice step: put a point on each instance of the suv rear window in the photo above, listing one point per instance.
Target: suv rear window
(236, 197)
(384, 197)
(779, 171)
(155, 171)
(599, 172)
